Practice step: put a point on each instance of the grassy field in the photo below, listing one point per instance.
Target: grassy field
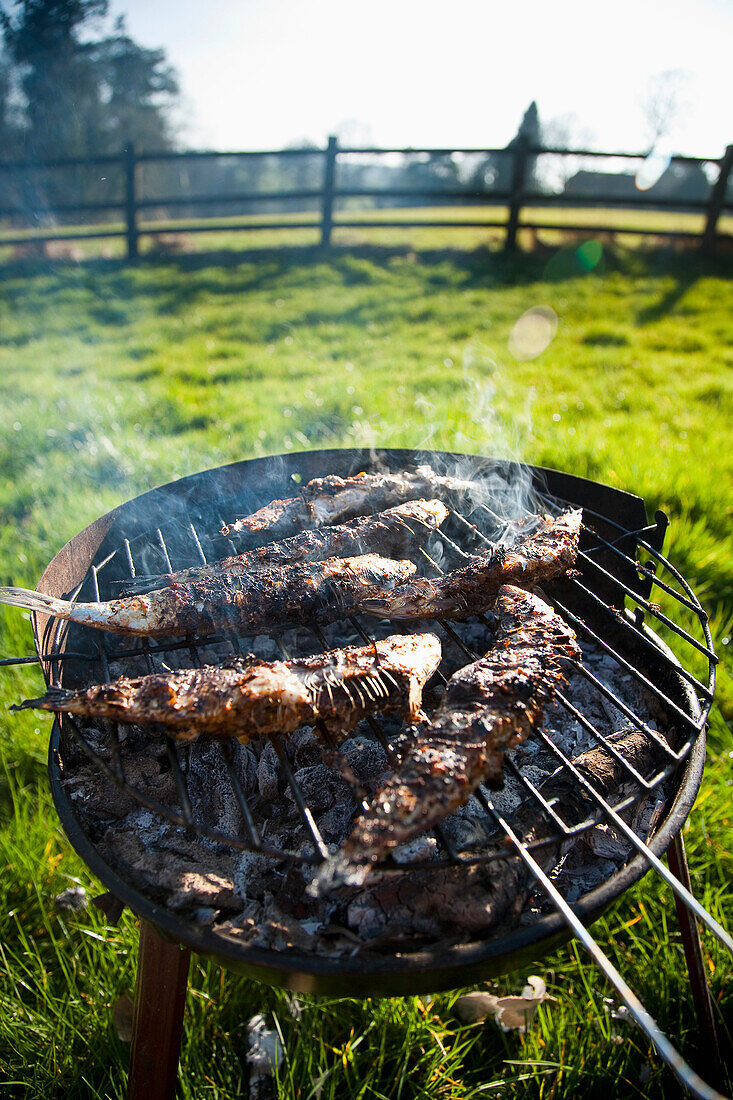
(115, 379)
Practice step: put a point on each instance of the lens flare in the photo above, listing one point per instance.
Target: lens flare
(652, 169)
(533, 332)
(589, 254)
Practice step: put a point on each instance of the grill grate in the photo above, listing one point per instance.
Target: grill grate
(608, 603)
(190, 551)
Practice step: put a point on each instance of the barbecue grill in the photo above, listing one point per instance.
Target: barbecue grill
(609, 603)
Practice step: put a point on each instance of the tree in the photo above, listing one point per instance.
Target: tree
(55, 72)
(137, 88)
(664, 104)
(495, 170)
(562, 132)
(7, 130)
(79, 93)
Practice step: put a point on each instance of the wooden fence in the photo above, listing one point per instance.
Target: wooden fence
(132, 202)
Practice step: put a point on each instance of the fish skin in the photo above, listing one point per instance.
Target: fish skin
(262, 599)
(393, 533)
(487, 707)
(253, 698)
(472, 589)
(326, 500)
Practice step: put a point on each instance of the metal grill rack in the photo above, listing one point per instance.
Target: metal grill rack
(610, 575)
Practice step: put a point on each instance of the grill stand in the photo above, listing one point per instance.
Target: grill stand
(162, 982)
(160, 998)
(702, 999)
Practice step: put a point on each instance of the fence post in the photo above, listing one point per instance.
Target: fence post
(717, 200)
(329, 175)
(131, 234)
(519, 171)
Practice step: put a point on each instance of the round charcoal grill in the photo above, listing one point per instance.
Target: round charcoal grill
(623, 595)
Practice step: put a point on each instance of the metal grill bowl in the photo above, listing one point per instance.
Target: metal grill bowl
(176, 526)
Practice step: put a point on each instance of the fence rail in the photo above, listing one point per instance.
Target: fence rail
(515, 196)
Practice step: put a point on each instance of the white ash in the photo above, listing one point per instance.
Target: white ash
(270, 777)
(213, 798)
(261, 900)
(72, 900)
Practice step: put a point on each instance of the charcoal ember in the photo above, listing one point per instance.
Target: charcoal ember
(581, 871)
(649, 813)
(305, 748)
(253, 874)
(265, 648)
(372, 919)
(291, 897)
(246, 767)
(469, 825)
(368, 761)
(334, 824)
(185, 879)
(271, 928)
(321, 788)
(99, 796)
(416, 849)
(270, 778)
(150, 772)
(210, 789)
(199, 888)
(608, 844)
(241, 925)
(433, 902)
(203, 914)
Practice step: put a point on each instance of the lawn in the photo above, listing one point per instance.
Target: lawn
(115, 379)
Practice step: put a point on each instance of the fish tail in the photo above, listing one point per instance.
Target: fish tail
(36, 601)
(56, 698)
(90, 614)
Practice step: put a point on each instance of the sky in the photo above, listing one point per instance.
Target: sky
(262, 74)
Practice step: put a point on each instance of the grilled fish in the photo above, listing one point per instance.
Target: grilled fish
(256, 698)
(328, 499)
(262, 599)
(472, 589)
(487, 707)
(393, 533)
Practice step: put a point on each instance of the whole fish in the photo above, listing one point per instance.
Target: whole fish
(392, 533)
(253, 698)
(547, 552)
(263, 599)
(325, 500)
(487, 707)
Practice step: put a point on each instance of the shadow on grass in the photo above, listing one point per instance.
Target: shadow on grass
(115, 281)
(686, 278)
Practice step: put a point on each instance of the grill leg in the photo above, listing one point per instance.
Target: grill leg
(160, 996)
(677, 859)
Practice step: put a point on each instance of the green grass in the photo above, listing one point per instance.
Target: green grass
(116, 379)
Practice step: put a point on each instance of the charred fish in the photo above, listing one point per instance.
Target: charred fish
(393, 533)
(487, 707)
(253, 698)
(326, 500)
(548, 552)
(263, 599)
